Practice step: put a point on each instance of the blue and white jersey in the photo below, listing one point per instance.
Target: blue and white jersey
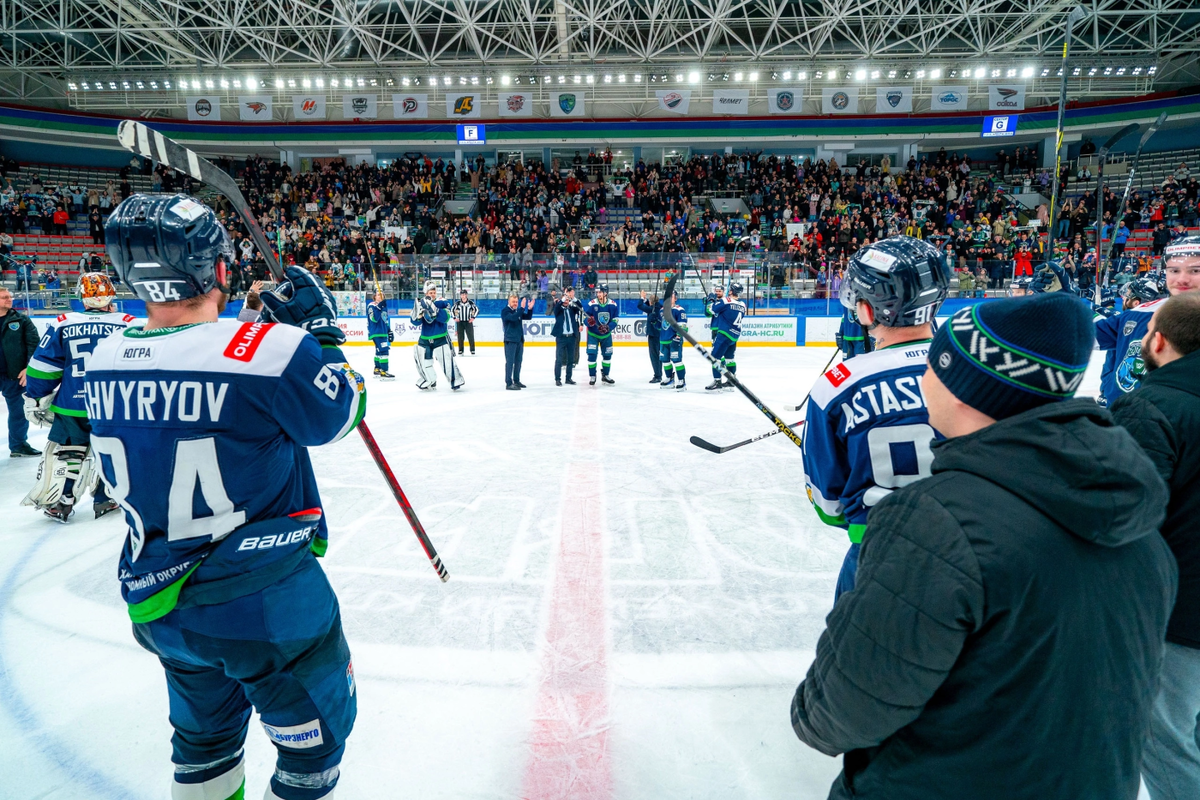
(201, 434)
(1121, 336)
(378, 322)
(727, 317)
(668, 334)
(433, 322)
(62, 357)
(866, 434)
(600, 317)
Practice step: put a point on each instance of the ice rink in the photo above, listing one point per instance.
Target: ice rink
(627, 617)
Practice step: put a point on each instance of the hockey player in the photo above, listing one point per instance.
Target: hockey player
(851, 337)
(670, 347)
(379, 329)
(433, 317)
(866, 429)
(202, 428)
(726, 330)
(54, 396)
(600, 316)
(1020, 286)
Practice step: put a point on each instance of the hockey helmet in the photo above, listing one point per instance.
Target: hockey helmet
(1147, 288)
(1020, 286)
(735, 288)
(1185, 247)
(96, 290)
(602, 289)
(167, 247)
(904, 281)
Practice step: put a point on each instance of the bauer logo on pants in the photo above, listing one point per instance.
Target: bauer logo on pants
(299, 737)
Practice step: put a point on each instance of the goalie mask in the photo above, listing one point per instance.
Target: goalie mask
(96, 291)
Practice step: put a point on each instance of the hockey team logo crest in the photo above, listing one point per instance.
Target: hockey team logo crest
(464, 105)
(672, 100)
(359, 105)
(1006, 97)
(603, 316)
(784, 101)
(840, 100)
(950, 98)
(515, 102)
(203, 107)
(256, 108)
(308, 107)
(409, 105)
(1130, 324)
(894, 97)
(566, 102)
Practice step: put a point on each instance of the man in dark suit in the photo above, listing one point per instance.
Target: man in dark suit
(566, 334)
(653, 311)
(511, 317)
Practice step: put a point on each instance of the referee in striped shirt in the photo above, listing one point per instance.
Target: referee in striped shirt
(464, 312)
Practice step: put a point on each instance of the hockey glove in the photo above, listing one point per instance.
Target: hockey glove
(428, 309)
(391, 336)
(303, 301)
(38, 411)
(602, 330)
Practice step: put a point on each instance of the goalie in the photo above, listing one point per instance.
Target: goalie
(433, 317)
(54, 396)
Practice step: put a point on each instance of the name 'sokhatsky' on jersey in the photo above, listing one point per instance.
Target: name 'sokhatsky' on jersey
(62, 356)
(203, 429)
(866, 434)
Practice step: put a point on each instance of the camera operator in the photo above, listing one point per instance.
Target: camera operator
(566, 334)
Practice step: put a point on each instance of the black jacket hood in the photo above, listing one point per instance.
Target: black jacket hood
(1070, 461)
(1182, 374)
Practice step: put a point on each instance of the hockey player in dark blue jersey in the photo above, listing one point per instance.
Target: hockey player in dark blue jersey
(866, 429)
(201, 427)
(1121, 335)
(727, 313)
(600, 317)
(851, 337)
(433, 316)
(54, 396)
(670, 345)
(379, 330)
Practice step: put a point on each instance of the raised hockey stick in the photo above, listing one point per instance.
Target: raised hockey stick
(712, 448)
(137, 138)
(783, 427)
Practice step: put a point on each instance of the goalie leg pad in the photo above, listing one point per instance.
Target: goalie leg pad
(444, 354)
(423, 358)
(64, 474)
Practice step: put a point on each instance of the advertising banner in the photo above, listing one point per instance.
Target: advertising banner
(1006, 98)
(515, 104)
(255, 108)
(784, 101)
(731, 101)
(204, 109)
(674, 101)
(308, 106)
(360, 106)
(410, 106)
(893, 100)
(464, 106)
(949, 98)
(839, 100)
(566, 104)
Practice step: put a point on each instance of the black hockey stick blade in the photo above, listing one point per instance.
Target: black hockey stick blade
(712, 448)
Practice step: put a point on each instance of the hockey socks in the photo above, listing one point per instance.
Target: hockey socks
(220, 780)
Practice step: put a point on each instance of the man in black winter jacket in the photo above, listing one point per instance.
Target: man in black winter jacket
(1005, 633)
(1163, 414)
(18, 341)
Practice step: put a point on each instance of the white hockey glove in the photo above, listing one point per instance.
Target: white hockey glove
(38, 411)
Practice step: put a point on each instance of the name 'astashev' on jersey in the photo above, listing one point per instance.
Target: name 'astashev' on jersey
(201, 433)
(62, 356)
(866, 434)
(1122, 336)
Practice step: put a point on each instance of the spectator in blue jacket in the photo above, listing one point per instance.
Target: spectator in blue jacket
(511, 317)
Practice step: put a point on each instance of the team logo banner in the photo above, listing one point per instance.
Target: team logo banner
(731, 101)
(949, 98)
(566, 104)
(254, 108)
(839, 100)
(464, 106)
(784, 101)
(308, 106)
(1006, 98)
(674, 101)
(410, 106)
(516, 104)
(360, 106)
(204, 109)
(893, 100)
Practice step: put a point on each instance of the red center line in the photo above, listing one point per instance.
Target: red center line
(569, 756)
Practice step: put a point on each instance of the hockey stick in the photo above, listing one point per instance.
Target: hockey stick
(712, 448)
(137, 138)
(800, 405)
(726, 374)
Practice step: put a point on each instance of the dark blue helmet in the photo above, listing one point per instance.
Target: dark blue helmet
(735, 288)
(166, 247)
(1147, 288)
(904, 281)
(603, 287)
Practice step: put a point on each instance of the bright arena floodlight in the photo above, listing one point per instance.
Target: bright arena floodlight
(860, 75)
(1027, 72)
(737, 76)
(979, 73)
(802, 75)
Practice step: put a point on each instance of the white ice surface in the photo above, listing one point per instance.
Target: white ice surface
(719, 579)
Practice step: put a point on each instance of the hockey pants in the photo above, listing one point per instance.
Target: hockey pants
(723, 351)
(279, 650)
(382, 350)
(599, 346)
(426, 352)
(670, 356)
